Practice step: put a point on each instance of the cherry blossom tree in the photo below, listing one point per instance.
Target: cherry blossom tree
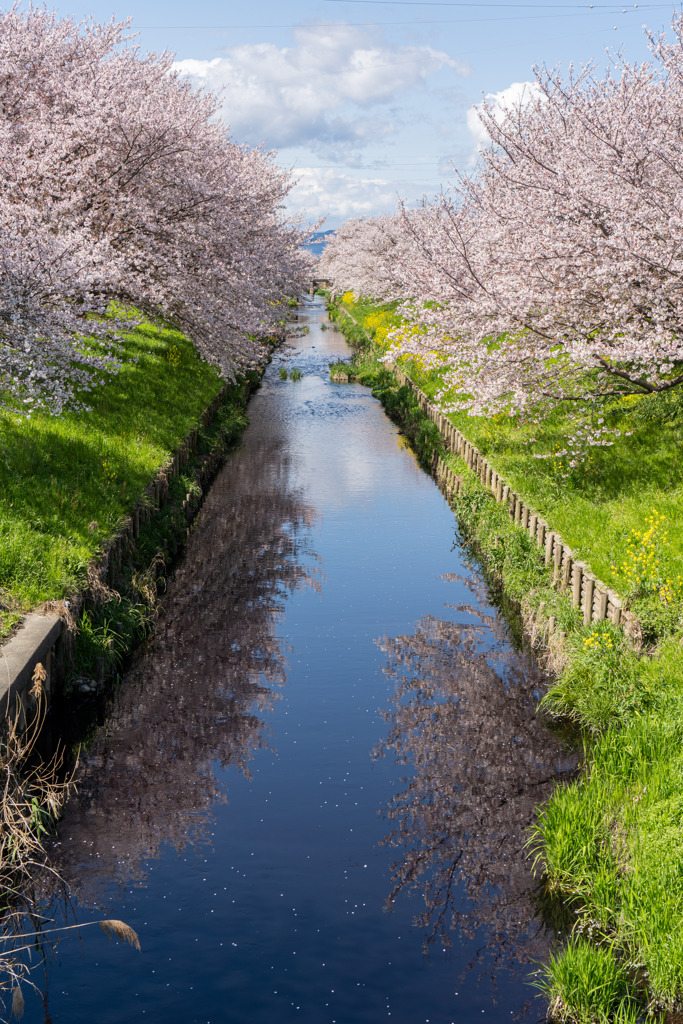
(118, 181)
(555, 272)
(567, 243)
(366, 256)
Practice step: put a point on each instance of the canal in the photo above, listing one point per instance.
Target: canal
(310, 797)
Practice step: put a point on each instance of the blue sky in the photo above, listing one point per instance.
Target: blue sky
(368, 101)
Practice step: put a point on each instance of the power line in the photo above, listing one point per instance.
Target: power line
(324, 26)
(611, 8)
(570, 9)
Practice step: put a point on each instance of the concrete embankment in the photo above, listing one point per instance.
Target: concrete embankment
(32, 645)
(40, 638)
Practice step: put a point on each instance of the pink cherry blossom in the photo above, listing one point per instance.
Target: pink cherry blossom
(555, 271)
(119, 182)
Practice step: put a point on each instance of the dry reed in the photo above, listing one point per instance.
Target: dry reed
(33, 795)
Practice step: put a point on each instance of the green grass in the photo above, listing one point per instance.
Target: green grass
(613, 843)
(589, 984)
(596, 508)
(113, 624)
(340, 366)
(66, 483)
(604, 683)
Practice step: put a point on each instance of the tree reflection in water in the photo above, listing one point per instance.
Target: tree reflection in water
(463, 718)
(197, 698)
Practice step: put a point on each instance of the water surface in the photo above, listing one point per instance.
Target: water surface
(310, 797)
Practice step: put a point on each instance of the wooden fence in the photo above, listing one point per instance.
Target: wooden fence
(589, 593)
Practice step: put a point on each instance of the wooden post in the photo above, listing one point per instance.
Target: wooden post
(602, 605)
(557, 559)
(577, 580)
(533, 520)
(549, 542)
(540, 532)
(589, 587)
(616, 612)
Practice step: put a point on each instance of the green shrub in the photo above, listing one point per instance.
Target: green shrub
(588, 984)
(603, 684)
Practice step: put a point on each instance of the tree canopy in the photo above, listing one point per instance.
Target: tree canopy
(118, 182)
(554, 271)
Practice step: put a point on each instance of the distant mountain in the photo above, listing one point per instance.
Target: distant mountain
(319, 240)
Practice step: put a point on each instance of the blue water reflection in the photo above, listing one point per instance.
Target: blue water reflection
(310, 798)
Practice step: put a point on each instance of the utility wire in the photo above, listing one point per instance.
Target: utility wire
(324, 25)
(568, 11)
(611, 8)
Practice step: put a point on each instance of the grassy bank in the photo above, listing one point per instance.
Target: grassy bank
(67, 483)
(603, 508)
(116, 618)
(609, 848)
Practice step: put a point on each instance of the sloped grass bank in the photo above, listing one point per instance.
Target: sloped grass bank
(603, 508)
(611, 847)
(608, 849)
(66, 484)
(120, 604)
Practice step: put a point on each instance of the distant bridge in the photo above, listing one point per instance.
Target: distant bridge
(319, 282)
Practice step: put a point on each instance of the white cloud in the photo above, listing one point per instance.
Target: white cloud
(499, 103)
(317, 92)
(323, 192)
